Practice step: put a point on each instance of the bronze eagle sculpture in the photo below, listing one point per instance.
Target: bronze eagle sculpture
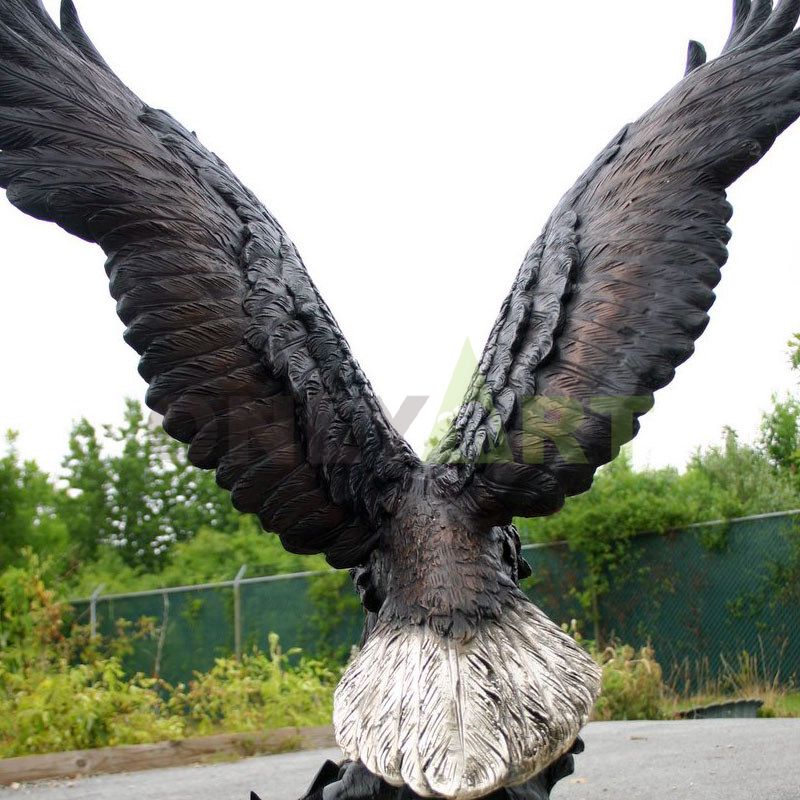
(462, 685)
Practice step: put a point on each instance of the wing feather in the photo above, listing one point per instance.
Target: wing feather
(612, 296)
(243, 358)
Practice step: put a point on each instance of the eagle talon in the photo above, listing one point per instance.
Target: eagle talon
(353, 781)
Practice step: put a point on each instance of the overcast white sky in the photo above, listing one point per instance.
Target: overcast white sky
(413, 150)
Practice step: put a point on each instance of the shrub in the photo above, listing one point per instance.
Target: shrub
(31, 620)
(261, 691)
(632, 686)
(50, 703)
(79, 707)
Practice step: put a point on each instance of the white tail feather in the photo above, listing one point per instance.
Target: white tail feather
(459, 719)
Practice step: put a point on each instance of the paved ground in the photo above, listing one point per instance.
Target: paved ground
(714, 760)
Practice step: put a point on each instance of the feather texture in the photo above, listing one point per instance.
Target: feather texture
(460, 718)
(611, 298)
(243, 358)
(463, 686)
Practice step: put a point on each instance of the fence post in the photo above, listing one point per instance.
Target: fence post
(237, 611)
(93, 610)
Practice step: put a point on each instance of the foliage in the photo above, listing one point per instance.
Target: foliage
(48, 702)
(108, 570)
(785, 704)
(334, 600)
(31, 620)
(71, 707)
(80, 706)
(208, 557)
(780, 428)
(721, 482)
(737, 480)
(632, 686)
(780, 431)
(794, 351)
(600, 524)
(28, 516)
(142, 499)
(747, 678)
(259, 692)
(86, 505)
(130, 513)
(727, 481)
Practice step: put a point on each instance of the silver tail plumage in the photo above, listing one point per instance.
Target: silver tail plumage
(458, 718)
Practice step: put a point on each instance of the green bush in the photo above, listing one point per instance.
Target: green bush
(76, 707)
(49, 702)
(260, 692)
(632, 685)
(31, 620)
(80, 707)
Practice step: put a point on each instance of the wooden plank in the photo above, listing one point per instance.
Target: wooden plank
(132, 758)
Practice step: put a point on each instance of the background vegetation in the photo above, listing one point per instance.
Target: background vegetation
(128, 512)
(733, 479)
(62, 690)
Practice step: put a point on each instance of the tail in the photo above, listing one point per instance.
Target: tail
(460, 719)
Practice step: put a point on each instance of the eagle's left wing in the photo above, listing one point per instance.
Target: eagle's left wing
(614, 293)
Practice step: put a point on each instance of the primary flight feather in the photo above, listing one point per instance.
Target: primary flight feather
(462, 686)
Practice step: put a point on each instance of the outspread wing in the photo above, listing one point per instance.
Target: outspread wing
(243, 358)
(612, 296)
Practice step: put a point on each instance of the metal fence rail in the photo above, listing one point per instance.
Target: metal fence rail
(701, 596)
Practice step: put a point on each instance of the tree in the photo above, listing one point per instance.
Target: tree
(143, 497)
(211, 556)
(794, 351)
(85, 507)
(780, 428)
(737, 480)
(28, 515)
(208, 557)
(780, 431)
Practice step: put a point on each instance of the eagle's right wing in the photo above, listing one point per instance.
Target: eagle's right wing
(243, 358)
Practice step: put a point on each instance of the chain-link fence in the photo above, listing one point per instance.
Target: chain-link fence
(702, 597)
(177, 631)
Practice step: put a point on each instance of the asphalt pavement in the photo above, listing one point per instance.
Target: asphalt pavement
(698, 760)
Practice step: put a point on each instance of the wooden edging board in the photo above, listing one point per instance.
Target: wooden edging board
(132, 758)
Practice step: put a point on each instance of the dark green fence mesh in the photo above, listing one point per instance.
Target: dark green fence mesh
(706, 596)
(702, 597)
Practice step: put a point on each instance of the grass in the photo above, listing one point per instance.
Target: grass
(749, 678)
(776, 704)
(783, 705)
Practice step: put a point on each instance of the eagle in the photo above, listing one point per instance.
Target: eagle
(462, 686)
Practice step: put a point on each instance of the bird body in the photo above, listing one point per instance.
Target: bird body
(462, 685)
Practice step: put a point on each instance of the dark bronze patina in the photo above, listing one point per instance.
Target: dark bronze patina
(249, 368)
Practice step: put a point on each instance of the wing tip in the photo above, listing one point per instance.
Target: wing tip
(758, 22)
(74, 32)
